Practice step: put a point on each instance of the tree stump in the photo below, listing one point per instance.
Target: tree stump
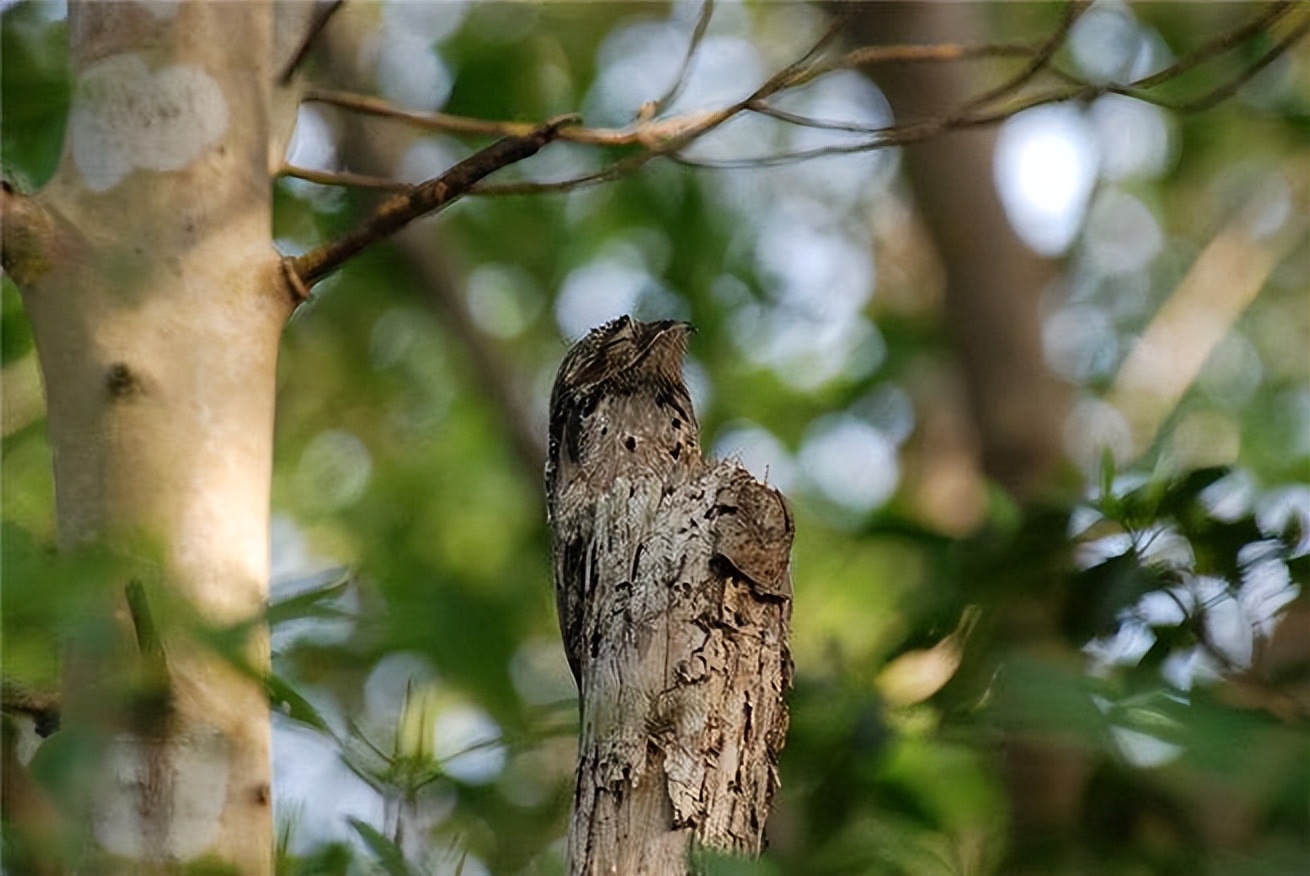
(686, 629)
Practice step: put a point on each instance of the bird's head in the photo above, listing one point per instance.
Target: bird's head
(623, 345)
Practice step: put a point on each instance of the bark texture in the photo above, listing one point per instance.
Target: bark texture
(148, 273)
(686, 630)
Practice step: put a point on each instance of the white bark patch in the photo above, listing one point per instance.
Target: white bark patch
(186, 777)
(126, 116)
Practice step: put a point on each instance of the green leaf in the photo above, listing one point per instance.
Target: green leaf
(35, 89)
(1180, 495)
(310, 603)
(283, 697)
(384, 849)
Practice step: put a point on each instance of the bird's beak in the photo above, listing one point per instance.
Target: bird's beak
(670, 340)
(665, 326)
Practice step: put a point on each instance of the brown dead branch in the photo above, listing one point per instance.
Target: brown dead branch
(399, 210)
(668, 136)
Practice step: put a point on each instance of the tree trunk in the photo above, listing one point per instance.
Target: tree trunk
(683, 716)
(993, 281)
(993, 286)
(147, 270)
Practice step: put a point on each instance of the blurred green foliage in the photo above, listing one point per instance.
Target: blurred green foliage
(1119, 620)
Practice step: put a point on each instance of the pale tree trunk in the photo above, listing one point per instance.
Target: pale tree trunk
(147, 270)
(683, 716)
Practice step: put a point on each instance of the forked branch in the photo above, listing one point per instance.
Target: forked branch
(653, 135)
(399, 210)
(669, 135)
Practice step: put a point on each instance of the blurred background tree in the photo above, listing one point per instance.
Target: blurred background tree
(1038, 392)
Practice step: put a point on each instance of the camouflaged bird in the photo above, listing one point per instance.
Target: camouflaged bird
(619, 408)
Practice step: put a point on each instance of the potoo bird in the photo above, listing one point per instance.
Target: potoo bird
(619, 408)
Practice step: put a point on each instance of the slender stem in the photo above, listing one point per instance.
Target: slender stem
(344, 178)
(402, 208)
(321, 18)
(1217, 46)
(668, 136)
(1035, 65)
(680, 81)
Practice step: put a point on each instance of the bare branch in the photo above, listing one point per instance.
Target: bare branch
(399, 210)
(972, 113)
(871, 56)
(670, 135)
(795, 73)
(321, 17)
(613, 171)
(655, 107)
(450, 124)
(1217, 46)
(1035, 65)
(344, 178)
(1222, 92)
(764, 108)
(428, 121)
(299, 291)
(29, 233)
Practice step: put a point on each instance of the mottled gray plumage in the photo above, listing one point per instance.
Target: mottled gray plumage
(619, 408)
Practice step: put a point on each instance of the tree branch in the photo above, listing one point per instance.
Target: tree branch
(679, 82)
(398, 211)
(344, 178)
(1218, 45)
(1219, 94)
(1036, 63)
(321, 18)
(29, 233)
(668, 136)
(442, 287)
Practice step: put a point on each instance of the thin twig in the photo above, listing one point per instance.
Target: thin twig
(652, 128)
(972, 114)
(428, 121)
(870, 56)
(1222, 92)
(765, 108)
(794, 73)
(1217, 46)
(873, 56)
(613, 171)
(1039, 60)
(399, 210)
(450, 124)
(669, 136)
(679, 82)
(321, 17)
(344, 178)
(299, 291)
